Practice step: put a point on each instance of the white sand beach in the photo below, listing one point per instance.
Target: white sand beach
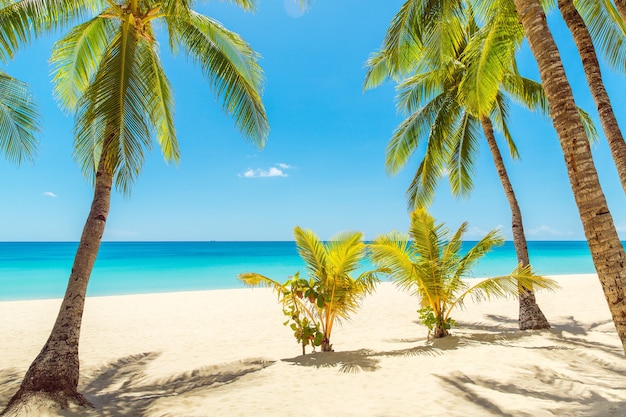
(226, 353)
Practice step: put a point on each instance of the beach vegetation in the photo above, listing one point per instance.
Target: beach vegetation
(298, 297)
(430, 263)
(108, 74)
(331, 291)
(455, 81)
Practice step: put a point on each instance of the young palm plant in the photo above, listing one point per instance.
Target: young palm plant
(331, 292)
(429, 262)
(108, 73)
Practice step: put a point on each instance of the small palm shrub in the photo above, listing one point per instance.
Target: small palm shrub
(428, 261)
(330, 293)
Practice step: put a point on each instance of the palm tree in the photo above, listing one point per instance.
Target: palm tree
(606, 249)
(19, 120)
(450, 98)
(332, 291)
(591, 66)
(108, 73)
(429, 263)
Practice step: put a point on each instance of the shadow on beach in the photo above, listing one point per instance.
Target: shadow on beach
(121, 388)
(589, 382)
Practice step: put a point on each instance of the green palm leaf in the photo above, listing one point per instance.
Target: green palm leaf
(231, 67)
(161, 107)
(607, 29)
(312, 250)
(22, 21)
(75, 59)
(465, 149)
(19, 120)
(116, 105)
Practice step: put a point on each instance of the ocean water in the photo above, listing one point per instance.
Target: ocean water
(37, 270)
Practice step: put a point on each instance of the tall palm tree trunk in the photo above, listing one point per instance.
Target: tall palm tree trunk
(530, 315)
(606, 249)
(55, 370)
(587, 52)
(620, 5)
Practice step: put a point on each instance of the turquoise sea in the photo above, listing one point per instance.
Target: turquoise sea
(36, 270)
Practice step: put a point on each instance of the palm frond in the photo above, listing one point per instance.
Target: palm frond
(438, 148)
(25, 20)
(312, 251)
(19, 120)
(406, 138)
(490, 240)
(75, 59)
(378, 70)
(506, 286)
(417, 90)
(161, 107)
(589, 125)
(499, 117)
(345, 252)
(116, 106)
(487, 58)
(607, 30)
(465, 148)
(526, 92)
(231, 67)
(393, 253)
(403, 32)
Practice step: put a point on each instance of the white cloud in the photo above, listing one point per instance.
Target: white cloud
(49, 194)
(476, 233)
(275, 171)
(544, 230)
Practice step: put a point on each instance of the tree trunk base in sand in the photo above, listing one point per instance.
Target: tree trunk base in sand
(530, 315)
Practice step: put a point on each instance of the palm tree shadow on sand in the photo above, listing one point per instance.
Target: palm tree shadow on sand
(368, 360)
(122, 389)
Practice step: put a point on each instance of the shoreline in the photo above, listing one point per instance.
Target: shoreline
(226, 353)
(243, 287)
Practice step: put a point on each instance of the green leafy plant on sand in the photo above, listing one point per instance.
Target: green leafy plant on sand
(429, 262)
(330, 293)
(297, 297)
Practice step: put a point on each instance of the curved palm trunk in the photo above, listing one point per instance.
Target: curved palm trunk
(587, 52)
(55, 371)
(606, 249)
(530, 315)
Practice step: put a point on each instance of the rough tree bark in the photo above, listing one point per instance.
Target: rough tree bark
(606, 249)
(55, 371)
(587, 52)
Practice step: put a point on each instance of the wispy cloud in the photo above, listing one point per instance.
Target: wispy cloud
(478, 233)
(275, 171)
(49, 194)
(544, 231)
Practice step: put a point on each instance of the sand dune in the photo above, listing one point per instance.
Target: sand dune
(226, 353)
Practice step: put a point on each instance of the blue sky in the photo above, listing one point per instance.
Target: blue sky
(323, 165)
